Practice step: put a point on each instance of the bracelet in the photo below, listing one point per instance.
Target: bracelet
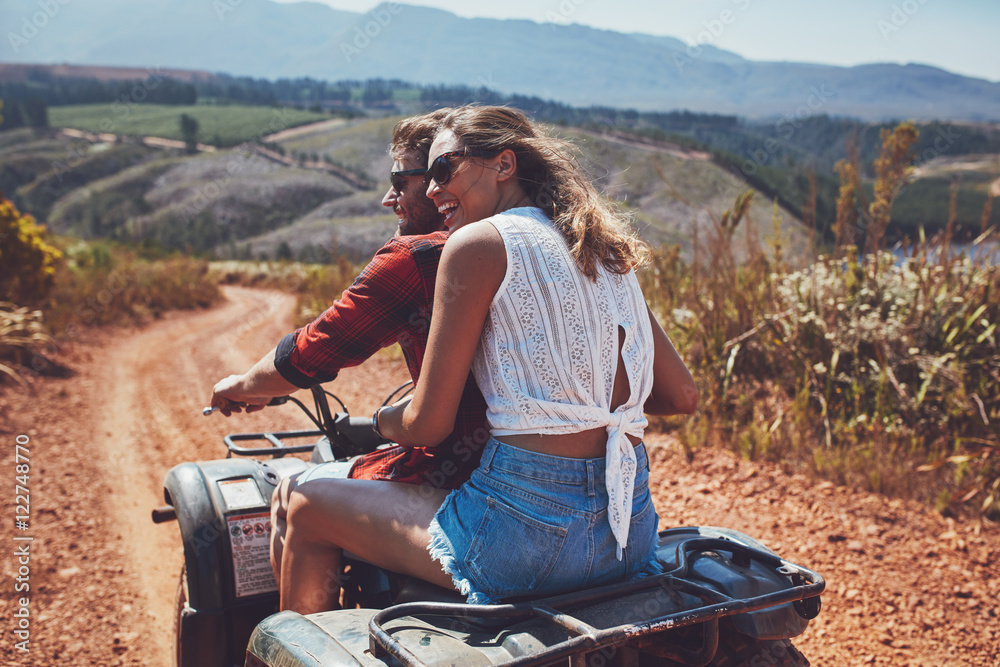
(375, 427)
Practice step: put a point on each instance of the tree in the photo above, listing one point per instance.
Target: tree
(37, 112)
(12, 117)
(189, 131)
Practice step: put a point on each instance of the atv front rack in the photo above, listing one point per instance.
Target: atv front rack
(801, 588)
(346, 436)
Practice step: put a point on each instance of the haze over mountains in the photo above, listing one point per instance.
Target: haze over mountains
(570, 63)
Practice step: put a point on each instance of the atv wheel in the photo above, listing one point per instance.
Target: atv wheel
(734, 650)
(746, 652)
(180, 602)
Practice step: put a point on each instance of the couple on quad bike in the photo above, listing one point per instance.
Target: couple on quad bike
(533, 290)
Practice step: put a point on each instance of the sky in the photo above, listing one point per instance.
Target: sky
(962, 36)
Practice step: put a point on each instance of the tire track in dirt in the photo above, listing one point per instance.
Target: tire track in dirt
(155, 384)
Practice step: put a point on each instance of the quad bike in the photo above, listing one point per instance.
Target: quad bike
(725, 599)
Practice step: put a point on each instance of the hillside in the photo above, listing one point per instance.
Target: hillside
(238, 203)
(259, 38)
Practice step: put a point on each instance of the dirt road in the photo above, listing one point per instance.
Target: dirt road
(906, 587)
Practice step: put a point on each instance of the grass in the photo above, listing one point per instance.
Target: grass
(875, 371)
(217, 125)
(878, 370)
(103, 283)
(22, 331)
(315, 285)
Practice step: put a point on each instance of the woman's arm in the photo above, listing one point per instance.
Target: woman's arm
(674, 391)
(473, 264)
(251, 390)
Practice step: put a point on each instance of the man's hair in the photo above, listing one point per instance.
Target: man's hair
(416, 134)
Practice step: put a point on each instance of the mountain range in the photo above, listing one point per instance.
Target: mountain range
(574, 64)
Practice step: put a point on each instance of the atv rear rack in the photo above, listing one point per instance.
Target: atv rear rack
(803, 593)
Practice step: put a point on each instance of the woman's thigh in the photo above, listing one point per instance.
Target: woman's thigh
(383, 522)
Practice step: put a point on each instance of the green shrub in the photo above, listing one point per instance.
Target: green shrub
(27, 261)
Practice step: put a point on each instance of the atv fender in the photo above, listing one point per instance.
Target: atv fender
(215, 622)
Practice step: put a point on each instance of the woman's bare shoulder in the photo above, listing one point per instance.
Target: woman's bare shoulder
(476, 249)
(476, 237)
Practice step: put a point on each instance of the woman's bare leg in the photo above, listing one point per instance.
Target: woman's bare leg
(383, 522)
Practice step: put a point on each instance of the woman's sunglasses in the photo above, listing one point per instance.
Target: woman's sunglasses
(440, 170)
(398, 178)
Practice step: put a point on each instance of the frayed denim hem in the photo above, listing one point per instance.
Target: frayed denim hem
(441, 550)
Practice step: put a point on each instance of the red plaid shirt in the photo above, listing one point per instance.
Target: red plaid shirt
(390, 302)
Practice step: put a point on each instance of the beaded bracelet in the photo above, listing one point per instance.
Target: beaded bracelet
(375, 427)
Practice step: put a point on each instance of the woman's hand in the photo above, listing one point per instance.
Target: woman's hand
(473, 265)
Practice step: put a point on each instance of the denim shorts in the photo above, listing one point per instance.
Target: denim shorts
(534, 524)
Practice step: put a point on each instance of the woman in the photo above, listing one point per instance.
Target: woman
(536, 293)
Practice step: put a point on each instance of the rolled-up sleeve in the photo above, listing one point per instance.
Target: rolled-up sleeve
(370, 314)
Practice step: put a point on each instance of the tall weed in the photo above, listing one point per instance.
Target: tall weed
(22, 331)
(105, 283)
(862, 369)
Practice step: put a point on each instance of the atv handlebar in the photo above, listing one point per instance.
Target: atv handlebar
(347, 436)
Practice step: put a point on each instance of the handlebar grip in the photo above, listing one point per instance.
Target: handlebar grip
(278, 400)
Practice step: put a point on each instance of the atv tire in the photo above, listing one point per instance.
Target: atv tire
(742, 651)
(180, 602)
(735, 649)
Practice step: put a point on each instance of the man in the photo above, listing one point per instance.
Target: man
(390, 302)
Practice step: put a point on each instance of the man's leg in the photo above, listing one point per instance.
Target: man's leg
(279, 515)
(385, 523)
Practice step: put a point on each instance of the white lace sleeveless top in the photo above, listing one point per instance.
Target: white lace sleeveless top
(547, 358)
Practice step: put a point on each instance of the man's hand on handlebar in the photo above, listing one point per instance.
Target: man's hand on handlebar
(251, 391)
(229, 396)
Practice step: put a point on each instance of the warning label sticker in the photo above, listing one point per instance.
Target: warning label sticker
(250, 538)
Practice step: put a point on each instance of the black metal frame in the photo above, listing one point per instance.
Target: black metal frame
(335, 426)
(805, 587)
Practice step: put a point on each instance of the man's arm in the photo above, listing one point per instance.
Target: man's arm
(251, 390)
(370, 315)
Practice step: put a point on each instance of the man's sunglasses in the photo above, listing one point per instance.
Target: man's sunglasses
(397, 178)
(440, 170)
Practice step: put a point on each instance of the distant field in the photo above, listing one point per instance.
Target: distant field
(217, 125)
